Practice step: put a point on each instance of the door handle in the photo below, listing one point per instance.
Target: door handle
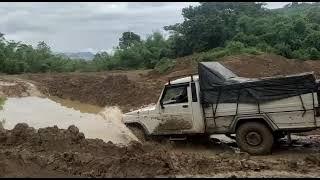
(184, 106)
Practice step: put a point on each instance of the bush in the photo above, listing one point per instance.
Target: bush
(283, 50)
(252, 50)
(14, 67)
(164, 65)
(301, 54)
(235, 47)
(2, 100)
(264, 47)
(314, 54)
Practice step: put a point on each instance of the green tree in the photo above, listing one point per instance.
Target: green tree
(210, 25)
(313, 40)
(314, 54)
(314, 15)
(102, 61)
(128, 39)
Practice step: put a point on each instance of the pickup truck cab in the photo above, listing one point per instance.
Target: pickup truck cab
(187, 107)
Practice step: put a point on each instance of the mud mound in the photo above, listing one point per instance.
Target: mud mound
(184, 66)
(67, 151)
(9, 88)
(54, 152)
(111, 90)
(263, 65)
(314, 66)
(249, 65)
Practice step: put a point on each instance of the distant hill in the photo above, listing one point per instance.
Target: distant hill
(80, 55)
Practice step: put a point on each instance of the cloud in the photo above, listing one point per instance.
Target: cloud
(274, 5)
(77, 26)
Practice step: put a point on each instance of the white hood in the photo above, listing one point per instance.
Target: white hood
(143, 110)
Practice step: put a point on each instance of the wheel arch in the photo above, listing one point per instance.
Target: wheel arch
(253, 118)
(139, 125)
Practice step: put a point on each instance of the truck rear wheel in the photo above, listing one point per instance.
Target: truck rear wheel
(138, 132)
(254, 138)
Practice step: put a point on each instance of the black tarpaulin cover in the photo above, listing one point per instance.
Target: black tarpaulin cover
(220, 85)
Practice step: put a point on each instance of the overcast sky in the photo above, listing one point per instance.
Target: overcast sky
(84, 26)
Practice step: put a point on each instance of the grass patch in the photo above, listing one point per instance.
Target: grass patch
(164, 65)
(2, 100)
(232, 48)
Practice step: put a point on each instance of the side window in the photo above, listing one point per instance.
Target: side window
(175, 95)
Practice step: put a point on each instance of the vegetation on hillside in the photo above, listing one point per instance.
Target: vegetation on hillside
(210, 30)
(292, 31)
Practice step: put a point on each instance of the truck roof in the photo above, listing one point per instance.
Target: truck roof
(238, 79)
(184, 80)
(215, 67)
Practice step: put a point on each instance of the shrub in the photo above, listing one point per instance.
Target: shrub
(252, 50)
(283, 50)
(314, 54)
(301, 54)
(235, 47)
(164, 65)
(2, 100)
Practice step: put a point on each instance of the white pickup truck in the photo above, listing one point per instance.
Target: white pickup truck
(216, 101)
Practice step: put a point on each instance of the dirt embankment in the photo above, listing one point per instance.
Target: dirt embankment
(250, 66)
(10, 88)
(111, 90)
(268, 65)
(52, 152)
(133, 89)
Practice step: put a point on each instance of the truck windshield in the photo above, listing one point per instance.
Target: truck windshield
(175, 95)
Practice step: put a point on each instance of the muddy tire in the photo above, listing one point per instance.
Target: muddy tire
(138, 132)
(254, 138)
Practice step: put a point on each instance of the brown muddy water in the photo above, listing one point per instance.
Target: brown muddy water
(93, 121)
(76, 105)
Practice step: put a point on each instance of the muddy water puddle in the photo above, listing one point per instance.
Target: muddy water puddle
(94, 122)
(76, 105)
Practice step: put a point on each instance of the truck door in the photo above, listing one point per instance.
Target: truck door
(176, 111)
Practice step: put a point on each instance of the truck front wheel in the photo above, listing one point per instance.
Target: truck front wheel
(254, 138)
(138, 132)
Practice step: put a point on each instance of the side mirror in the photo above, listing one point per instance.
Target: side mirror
(161, 105)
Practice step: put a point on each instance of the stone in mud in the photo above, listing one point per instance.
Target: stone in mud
(3, 136)
(21, 133)
(86, 158)
(73, 129)
(81, 136)
(135, 147)
(312, 159)
(110, 142)
(244, 155)
(20, 127)
(293, 164)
